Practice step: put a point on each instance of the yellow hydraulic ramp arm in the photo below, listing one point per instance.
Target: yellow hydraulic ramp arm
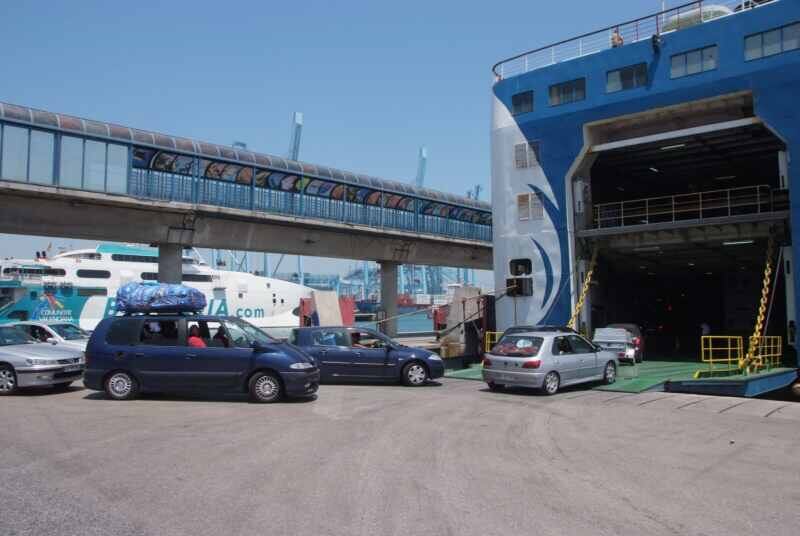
(750, 362)
(584, 291)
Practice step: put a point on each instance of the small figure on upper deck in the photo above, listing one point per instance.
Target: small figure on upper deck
(616, 38)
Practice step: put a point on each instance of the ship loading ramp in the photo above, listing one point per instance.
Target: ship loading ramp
(681, 206)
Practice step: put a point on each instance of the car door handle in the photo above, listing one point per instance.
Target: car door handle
(138, 354)
(191, 356)
(119, 355)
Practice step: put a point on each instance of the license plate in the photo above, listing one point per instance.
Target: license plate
(73, 368)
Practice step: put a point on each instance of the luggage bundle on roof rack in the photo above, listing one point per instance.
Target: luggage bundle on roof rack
(159, 298)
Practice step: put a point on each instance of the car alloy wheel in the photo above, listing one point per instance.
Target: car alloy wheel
(415, 374)
(8, 381)
(265, 387)
(551, 383)
(121, 386)
(610, 375)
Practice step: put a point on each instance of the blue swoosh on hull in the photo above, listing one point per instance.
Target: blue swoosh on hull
(548, 272)
(555, 215)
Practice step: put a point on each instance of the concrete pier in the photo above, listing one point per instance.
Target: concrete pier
(389, 296)
(170, 263)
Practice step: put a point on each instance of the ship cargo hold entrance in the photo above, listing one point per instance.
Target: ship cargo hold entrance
(681, 207)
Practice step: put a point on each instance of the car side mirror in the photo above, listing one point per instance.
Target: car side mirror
(51, 340)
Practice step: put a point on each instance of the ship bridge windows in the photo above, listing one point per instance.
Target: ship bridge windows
(522, 103)
(626, 78)
(772, 42)
(694, 62)
(567, 92)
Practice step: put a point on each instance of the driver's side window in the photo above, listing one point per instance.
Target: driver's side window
(236, 336)
(561, 346)
(580, 345)
(365, 339)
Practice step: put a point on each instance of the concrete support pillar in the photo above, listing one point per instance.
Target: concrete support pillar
(170, 263)
(389, 296)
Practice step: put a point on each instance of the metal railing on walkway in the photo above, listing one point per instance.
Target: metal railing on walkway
(172, 187)
(674, 19)
(694, 206)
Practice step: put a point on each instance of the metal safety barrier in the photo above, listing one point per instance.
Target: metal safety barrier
(768, 353)
(490, 339)
(618, 35)
(721, 353)
(726, 354)
(693, 206)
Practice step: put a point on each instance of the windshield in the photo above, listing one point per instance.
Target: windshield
(13, 335)
(254, 333)
(69, 332)
(518, 346)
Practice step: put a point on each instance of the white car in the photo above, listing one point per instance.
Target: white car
(63, 334)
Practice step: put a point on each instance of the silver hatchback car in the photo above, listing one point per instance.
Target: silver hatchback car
(547, 360)
(27, 363)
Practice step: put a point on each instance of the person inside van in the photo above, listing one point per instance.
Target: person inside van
(195, 340)
(221, 336)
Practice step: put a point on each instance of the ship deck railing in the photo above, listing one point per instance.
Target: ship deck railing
(691, 206)
(633, 31)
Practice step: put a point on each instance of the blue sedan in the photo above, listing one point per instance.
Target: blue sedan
(354, 353)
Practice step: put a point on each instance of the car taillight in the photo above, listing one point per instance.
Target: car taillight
(533, 363)
(487, 362)
(620, 354)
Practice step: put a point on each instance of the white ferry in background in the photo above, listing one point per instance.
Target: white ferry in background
(80, 286)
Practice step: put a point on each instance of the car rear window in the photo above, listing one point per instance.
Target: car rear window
(518, 346)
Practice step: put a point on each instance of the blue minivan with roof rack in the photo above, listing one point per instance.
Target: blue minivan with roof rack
(135, 353)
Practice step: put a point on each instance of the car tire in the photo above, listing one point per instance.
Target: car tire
(495, 386)
(121, 385)
(414, 374)
(8, 380)
(610, 373)
(551, 383)
(265, 388)
(62, 386)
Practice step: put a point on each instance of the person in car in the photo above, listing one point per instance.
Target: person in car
(195, 340)
(355, 338)
(221, 336)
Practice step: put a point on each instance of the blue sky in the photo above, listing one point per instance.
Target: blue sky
(375, 80)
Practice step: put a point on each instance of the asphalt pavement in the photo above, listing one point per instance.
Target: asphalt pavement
(446, 459)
